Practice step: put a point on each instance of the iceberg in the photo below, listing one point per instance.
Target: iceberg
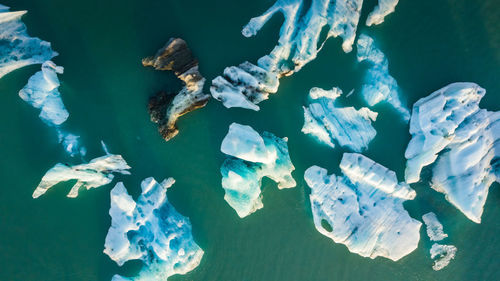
(450, 130)
(164, 108)
(150, 230)
(18, 49)
(363, 208)
(384, 8)
(378, 85)
(42, 92)
(443, 255)
(351, 128)
(97, 172)
(434, 227)
(300, 40)
(250, 158)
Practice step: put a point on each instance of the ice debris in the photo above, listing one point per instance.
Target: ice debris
(300, 40)
(18, 49)
(97, 172)
(351, 128)
(434, 227)
(150, 229)
(443, 255)
(250, 158)
(384, 8)
(364, 208)
(450, 130)
(164, 108)
(378, 85)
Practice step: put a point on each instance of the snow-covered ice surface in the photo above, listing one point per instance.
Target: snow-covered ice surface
(97, 172)
(349, 127)
(450, 130)
(443, 255)
(434, 227)
(384, 8)
(250, 158)
(364, 208)
(378, 85)
(150, 229)
(18, 49)
(299, 42)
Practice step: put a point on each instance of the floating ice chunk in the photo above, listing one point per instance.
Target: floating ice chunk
(71, 143)
(252, 157)
(42, 92)
(364, 208)
(450, 121)
(299, 43)
(351, 128)
(18, 49)
(150, 230)
(379, 85)
(245, 143)
(96, 173)
(244, 86)
(443, 254)
(434, 227)
(384, 8)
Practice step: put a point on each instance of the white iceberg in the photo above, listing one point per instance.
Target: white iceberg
(379, 85)
(18, 49)
(97, 172)
(351, 128)
(299, 42)
(434, 227)
(150, 230)
(364, 208)
(443, 255)
(449, 129)
(384, 8)
(42, 92)
(252, 157)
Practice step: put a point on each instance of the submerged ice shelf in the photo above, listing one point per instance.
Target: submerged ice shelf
(299, 42)
(97, 172)
(349, 127)
(150, 229)
(450, 130)
(18, 49)
(250, 158)
(164, 108)
(364, 208)
(378, 85)
(442, 254)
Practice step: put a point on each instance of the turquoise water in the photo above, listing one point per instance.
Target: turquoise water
(105, 88)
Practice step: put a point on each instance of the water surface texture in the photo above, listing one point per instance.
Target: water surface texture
(428, 43)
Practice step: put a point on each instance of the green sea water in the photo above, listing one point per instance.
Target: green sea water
(429, 44)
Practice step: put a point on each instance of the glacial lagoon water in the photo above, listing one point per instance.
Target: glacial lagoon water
(429, 44)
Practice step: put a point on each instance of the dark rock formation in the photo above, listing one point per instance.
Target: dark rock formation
(164, 108)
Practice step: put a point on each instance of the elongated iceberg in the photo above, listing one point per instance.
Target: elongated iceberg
(378, 85)
(250, 158)
(450, 130)
(18, 49)
(42, 92)
(384, 8)
(363, 208)
(97, 172)
(443, 255)
(434, 227)
(300, 40)
(150, 230)
(164, 108)
(349, 127)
